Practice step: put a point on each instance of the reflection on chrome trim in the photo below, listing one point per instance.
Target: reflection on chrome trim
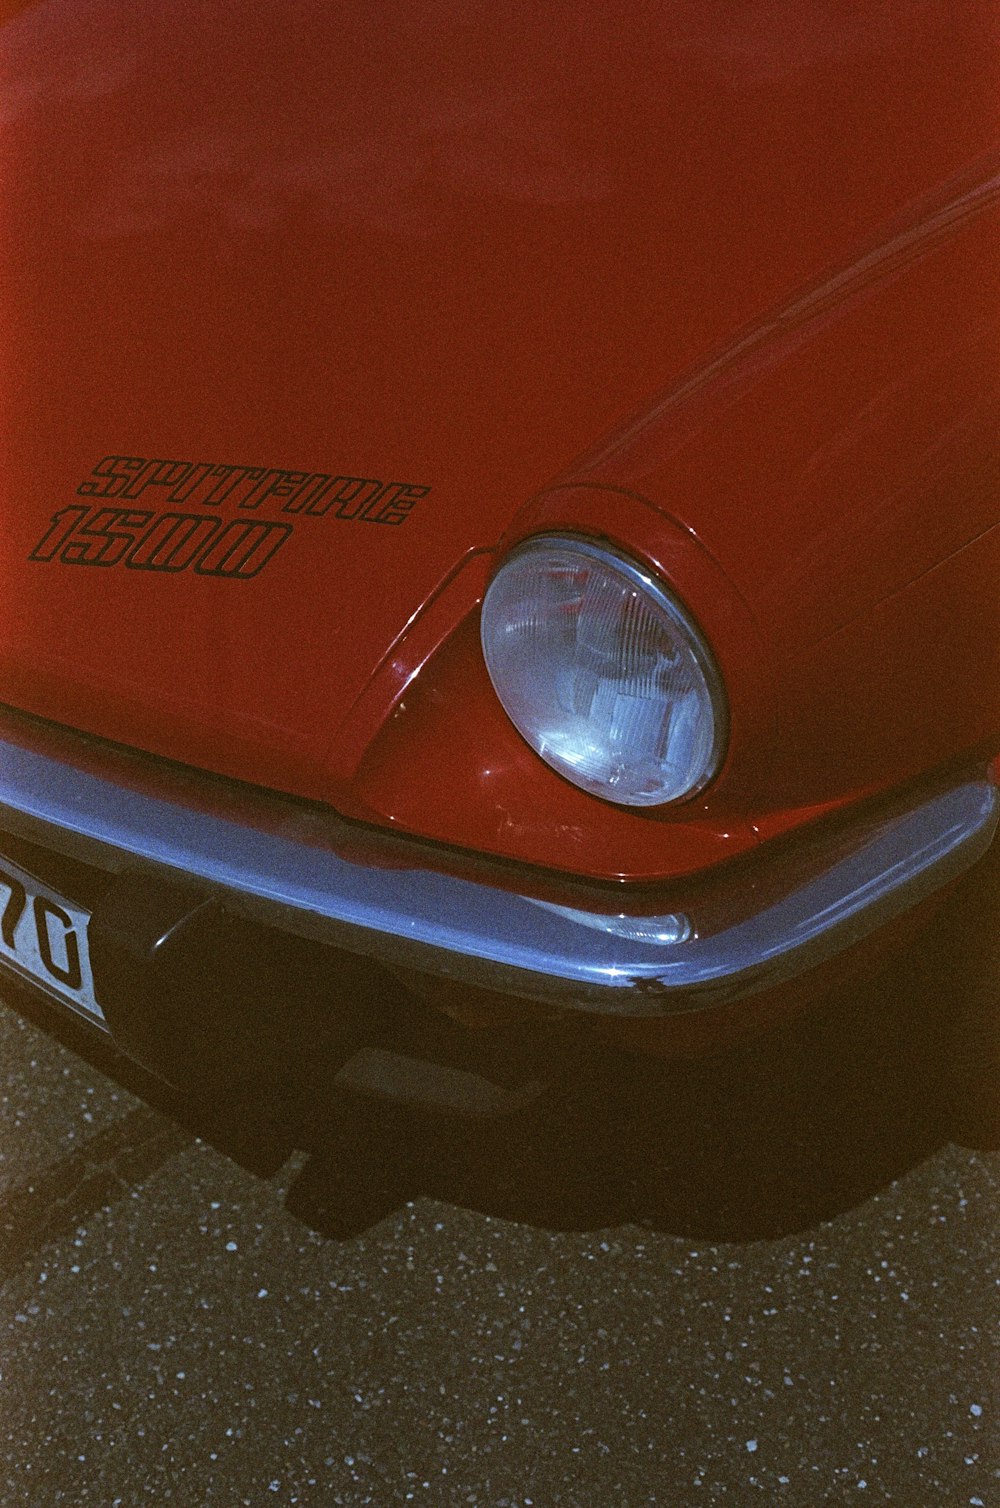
(662, 931)
(469, 931)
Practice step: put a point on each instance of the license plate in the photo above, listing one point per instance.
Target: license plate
(43, 937)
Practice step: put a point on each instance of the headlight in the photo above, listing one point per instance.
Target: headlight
(603, 672)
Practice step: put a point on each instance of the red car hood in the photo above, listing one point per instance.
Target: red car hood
(394, 270)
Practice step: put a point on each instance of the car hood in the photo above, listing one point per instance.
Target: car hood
(350, 288)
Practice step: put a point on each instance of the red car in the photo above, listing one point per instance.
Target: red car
(501, 516)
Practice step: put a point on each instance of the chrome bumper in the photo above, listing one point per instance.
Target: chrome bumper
(781, 912)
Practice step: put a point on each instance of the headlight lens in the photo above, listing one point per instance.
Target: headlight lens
(603, 672)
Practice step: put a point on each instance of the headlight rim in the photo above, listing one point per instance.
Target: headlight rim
(645, 577)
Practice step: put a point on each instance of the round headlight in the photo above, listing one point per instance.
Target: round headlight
(603, 672)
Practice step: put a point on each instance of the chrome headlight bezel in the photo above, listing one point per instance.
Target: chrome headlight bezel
(679, 626)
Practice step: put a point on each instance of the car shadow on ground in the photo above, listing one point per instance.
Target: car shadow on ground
(800, 1125)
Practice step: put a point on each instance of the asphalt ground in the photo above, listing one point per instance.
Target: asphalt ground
(771, 1276)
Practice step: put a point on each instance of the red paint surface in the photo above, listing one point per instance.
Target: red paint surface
(459, 245)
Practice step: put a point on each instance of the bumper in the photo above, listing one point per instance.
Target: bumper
(287, 865)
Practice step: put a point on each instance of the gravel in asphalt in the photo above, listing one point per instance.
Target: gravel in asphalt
(771, 1277)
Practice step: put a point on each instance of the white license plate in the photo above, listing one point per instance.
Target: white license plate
(43, 937)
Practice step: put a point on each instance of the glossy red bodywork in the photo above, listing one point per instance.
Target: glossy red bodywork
(720, 285)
